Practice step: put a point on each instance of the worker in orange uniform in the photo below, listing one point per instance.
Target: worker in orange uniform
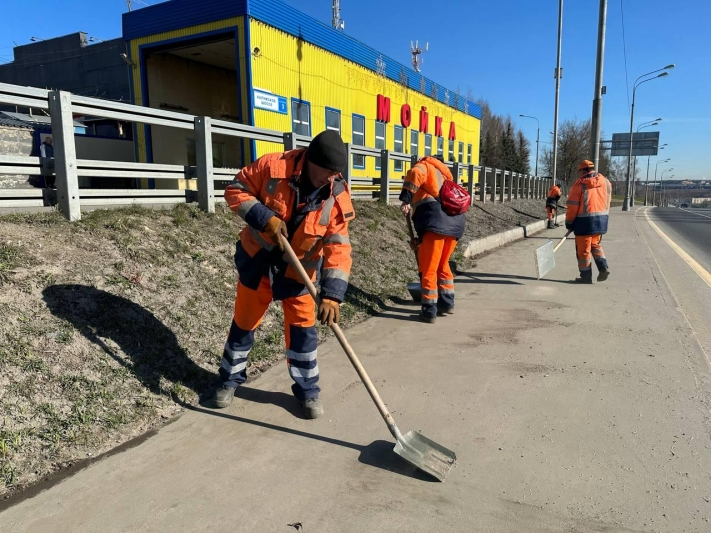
(588, 209)
(437, 233)
(301, 195)
(552, 199)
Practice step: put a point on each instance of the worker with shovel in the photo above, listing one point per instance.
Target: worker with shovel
(437, 232)
(588, 209)
(552, 199)
(301, 195)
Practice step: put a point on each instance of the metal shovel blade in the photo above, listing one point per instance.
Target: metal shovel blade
(425, 454)
(545, 259)
(415, 291)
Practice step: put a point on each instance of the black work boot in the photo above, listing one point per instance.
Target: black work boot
(585, 277)
(603, 274)
(551, 224)
(223, 396)
(313, 408)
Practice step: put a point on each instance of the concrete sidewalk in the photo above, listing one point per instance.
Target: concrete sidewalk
(571, 409)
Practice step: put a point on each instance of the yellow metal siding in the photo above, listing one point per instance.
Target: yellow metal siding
(135, 44)
(292, 68)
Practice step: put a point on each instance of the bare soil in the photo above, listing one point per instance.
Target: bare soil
(111, 325)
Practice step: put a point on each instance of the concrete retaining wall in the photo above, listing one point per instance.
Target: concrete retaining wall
(15, 141)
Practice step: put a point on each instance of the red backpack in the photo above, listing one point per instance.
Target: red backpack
(454, 198)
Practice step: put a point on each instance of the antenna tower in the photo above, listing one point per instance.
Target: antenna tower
(416, 52)
(336, 22)
(128, 4)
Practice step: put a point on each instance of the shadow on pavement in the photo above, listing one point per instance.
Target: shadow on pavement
(378, 454)
(152, 349)
(475, 275)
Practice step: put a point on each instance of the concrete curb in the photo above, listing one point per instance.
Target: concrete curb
(479, 246)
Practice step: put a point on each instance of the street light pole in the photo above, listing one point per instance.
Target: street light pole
(661, 186)
(538, 138)
(634, 163)
(557, 90)
(597, 99)
(656, 167)
(626, 204)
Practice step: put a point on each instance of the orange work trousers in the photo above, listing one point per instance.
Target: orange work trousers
(299, 332)
(587, 248)
(436, 277)
(551, 211)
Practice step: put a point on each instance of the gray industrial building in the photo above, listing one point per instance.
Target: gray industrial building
(71, 63)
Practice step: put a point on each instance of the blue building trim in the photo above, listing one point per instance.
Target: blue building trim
(340, 118)
(178, 14)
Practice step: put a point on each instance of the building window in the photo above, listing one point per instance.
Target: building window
(450, 152)
(399, 136)
(440, 146)
(414, 140)
(333, 120)
(461, 159)
(379, 140)
(469, 154)
(428, 144)
(358, 139)
(301, 117)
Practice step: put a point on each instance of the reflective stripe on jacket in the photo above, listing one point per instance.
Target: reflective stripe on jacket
(421, 190)
(269, 187)
(588, 205)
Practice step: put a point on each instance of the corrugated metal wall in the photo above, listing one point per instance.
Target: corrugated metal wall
(292, 68)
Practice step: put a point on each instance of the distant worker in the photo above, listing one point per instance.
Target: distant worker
(437, 234)
(552, 200)
(588, 209)
(301, 195)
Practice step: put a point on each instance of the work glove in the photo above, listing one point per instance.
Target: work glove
(273, 228)
(329, 312)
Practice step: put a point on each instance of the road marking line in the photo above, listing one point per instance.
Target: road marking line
(696, 267)
(687, 211)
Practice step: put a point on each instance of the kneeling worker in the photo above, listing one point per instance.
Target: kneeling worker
(588, 209)
(552, 205)
(301, 195)
(437, 231)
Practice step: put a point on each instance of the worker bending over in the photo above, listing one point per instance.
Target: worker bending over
(552, 205)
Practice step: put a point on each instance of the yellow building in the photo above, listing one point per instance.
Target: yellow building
(266, 64)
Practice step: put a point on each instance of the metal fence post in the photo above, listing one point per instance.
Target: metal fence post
(511, 182)
(203, 160)
(385, 176)
(502, 190)
(65, 154)
(455, 171)
(482, 185)
(470, 185)
(494, 175)
(347, 171)
(289, 141)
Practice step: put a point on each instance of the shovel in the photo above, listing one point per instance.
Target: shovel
(415, 289)
(545, 256)
(416, 449)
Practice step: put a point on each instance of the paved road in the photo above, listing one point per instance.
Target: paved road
(690, 228)
(571, 408)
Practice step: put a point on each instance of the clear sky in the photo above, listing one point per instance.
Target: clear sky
(504, 51)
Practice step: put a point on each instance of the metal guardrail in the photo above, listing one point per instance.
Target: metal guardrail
(484, 184)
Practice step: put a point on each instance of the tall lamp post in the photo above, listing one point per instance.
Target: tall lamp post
(648, 124)
(558, 76)
(661, 186)
(538, 138)
(637, 83)
(654, 189)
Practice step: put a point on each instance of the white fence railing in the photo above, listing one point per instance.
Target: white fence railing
(484, 184)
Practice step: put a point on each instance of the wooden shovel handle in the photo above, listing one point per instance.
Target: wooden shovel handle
(387, 417)
(412, 238)
(561, 241)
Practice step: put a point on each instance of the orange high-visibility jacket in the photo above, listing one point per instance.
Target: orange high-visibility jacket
(554, 192)
(421, 190)
(268, 187)
(588, 205)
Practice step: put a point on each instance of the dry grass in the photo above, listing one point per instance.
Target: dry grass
(110, 324)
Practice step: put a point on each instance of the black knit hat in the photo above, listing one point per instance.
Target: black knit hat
(328, 151)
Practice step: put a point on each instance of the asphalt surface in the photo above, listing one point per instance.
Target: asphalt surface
(572, 409)
(690, 228)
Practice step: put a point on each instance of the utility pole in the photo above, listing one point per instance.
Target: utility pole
(128, 4)
(597, 100)
(558, 75)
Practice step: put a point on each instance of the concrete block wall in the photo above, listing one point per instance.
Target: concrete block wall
(15, 141)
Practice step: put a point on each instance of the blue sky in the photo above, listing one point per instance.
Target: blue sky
(504, 51)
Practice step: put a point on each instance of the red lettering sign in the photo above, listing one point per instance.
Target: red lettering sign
(424, 120)
(405, 116)
(452, 132)
(383, 108)
(438, 126)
